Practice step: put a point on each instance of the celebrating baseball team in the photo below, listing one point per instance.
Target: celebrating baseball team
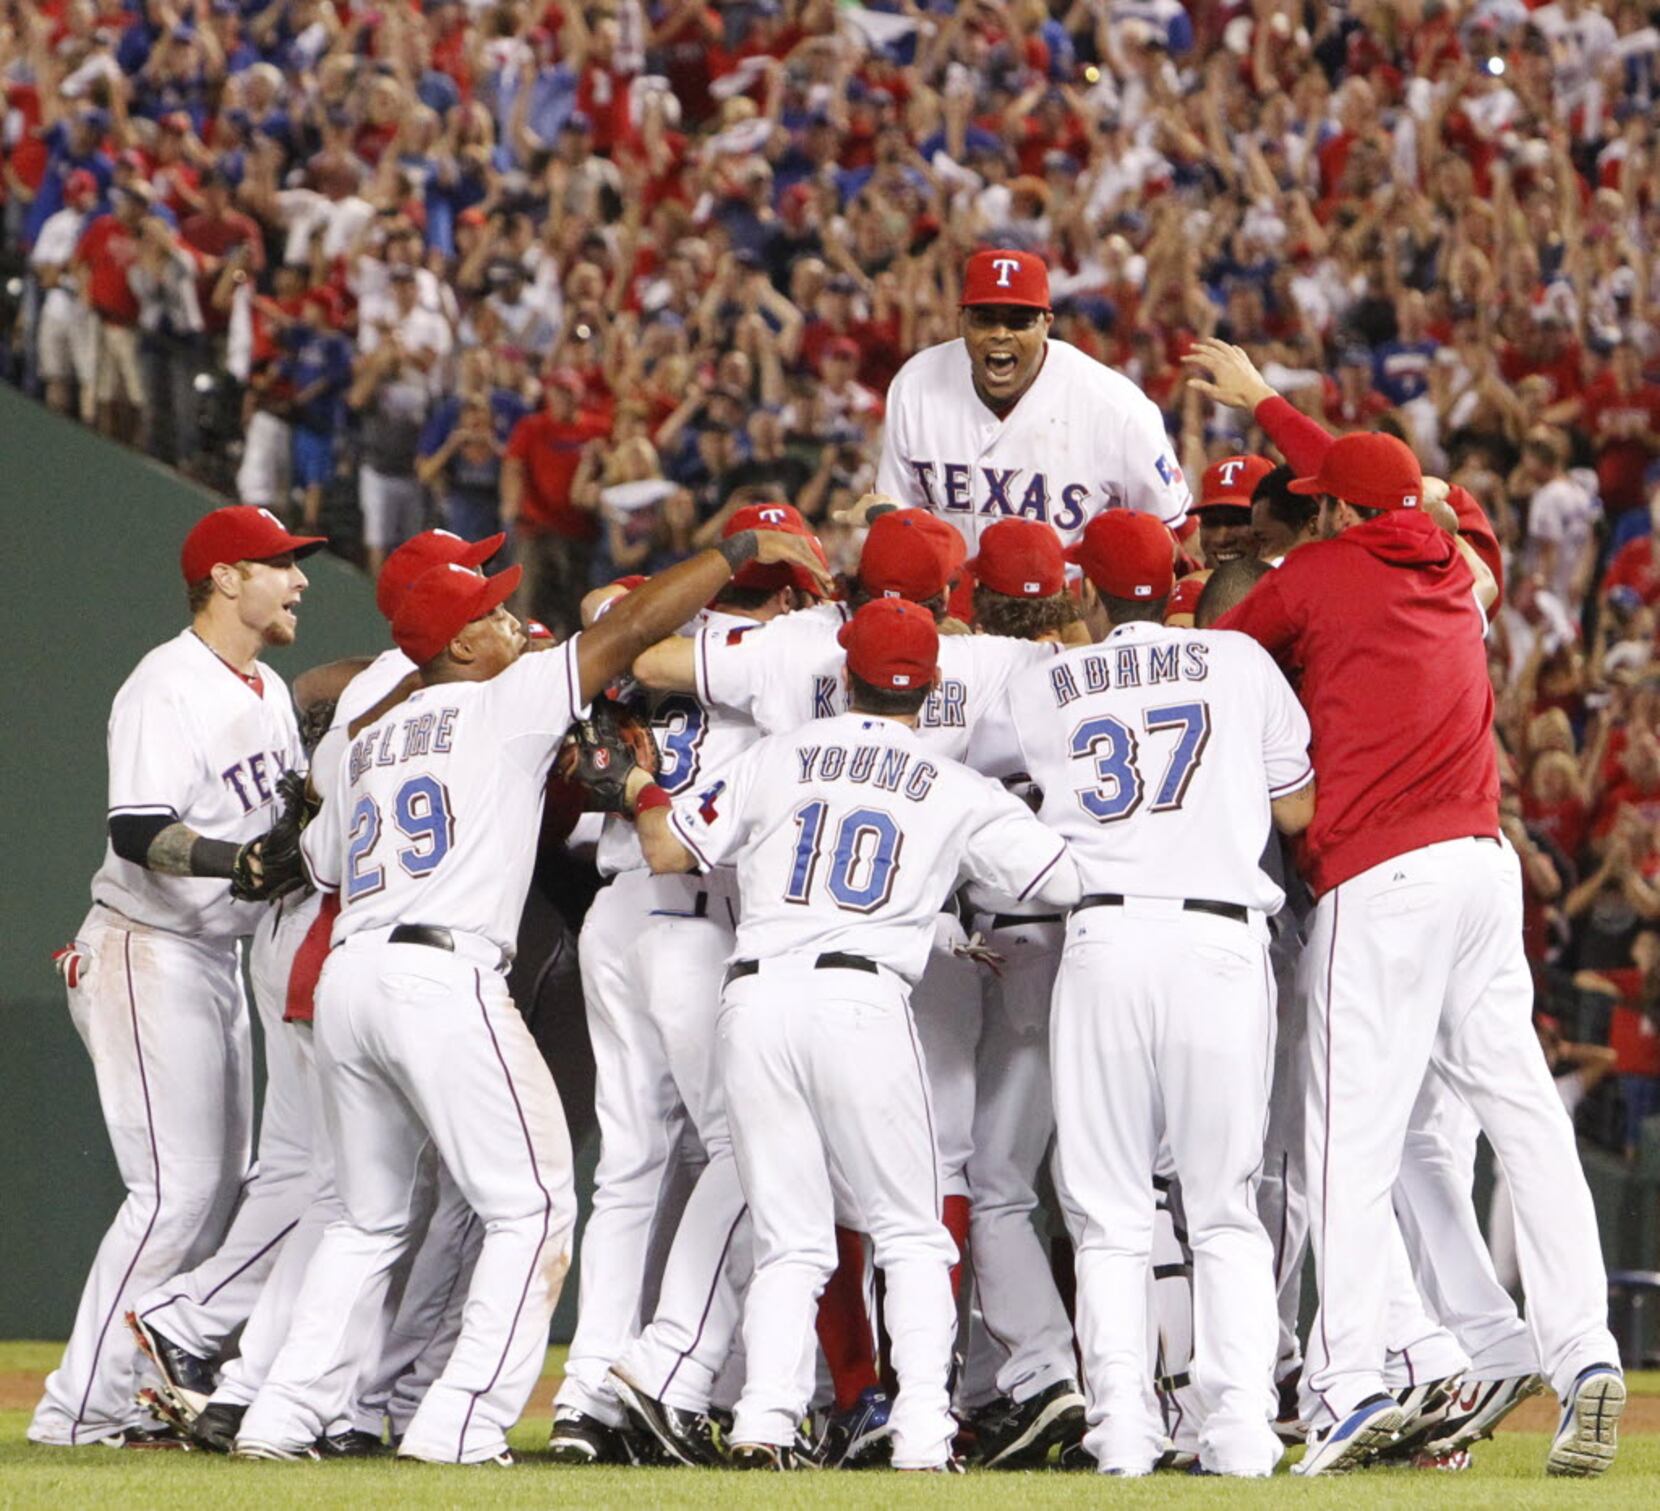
(1015, 961)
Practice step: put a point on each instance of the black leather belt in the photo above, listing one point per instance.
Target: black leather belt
(434, 938)
(1014, 920)
(830, 960)
(1189, 905)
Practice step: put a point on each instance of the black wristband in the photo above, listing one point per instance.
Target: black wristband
(214, 857)
(739, 548)
(876, 511)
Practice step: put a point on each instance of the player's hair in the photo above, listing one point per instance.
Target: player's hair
(748, 599)
(1227, 585)
(865, 698)
(1022, 618)
(1126, 610)
(1296, 511)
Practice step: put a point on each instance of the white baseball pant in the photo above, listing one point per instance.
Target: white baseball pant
(164, 1021)
(828, 1102)
(1415, 962)
(420, 1048)
(652, 956)
(1163, 1025)
(202, 1308)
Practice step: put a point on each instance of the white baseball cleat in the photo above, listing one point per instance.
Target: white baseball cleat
(1586, 1437)
(1371, 1427)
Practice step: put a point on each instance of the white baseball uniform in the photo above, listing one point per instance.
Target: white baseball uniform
(1158, 753)
(1082, 439)
(429, 835)
(653, 950)
(846, 833)
(158, 1004)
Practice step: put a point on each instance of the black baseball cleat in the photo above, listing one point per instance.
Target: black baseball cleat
(216, 1427)
(764, 1456)
(578, 1438)
(687, 1437)
(1424, 1409)
(1012, 1434)
(860, 1437)
(353, 1444)
(186, 1380)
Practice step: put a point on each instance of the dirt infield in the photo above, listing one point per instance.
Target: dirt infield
(20, 1389)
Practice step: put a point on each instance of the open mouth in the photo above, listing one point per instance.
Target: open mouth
(1001, 365)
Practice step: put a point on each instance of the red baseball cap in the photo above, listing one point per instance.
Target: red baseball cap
(418, 555)
(1000, 275)
(1020, 559)
(903, 558)
(1184, 596)
(842, 346)
(892, 643)
(1126, 555)
(948, 542)
(239, 532)
(442, 602)
(770, 576)
(1229, 483)
(1372, 471)
(80, 185)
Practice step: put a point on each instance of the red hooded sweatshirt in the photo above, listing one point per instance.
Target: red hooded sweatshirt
(1383, 626)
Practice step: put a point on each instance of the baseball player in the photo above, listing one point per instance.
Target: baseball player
(331, 698)
(1005, 423)
(653, 950)
(1415, 956)
(845, 834)
(429, 838)
(1156, 746)
(198, 736)
(1224, 508)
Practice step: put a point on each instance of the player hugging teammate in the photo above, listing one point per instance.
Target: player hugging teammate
(904, 924)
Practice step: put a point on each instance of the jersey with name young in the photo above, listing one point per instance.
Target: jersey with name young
(1158, 752)
(433, 814)
(694, 740)
(788, 672)
(190, 739)
(850, 833)
(1082, 439)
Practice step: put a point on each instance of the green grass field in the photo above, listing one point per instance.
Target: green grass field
(1507, 1473)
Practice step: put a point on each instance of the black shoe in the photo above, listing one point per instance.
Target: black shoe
(1078, 1458)
(859, 1438)
(355, 1444)
(578, 1438)
(1010, 1435)
(216, 1427)
(163, 1438)
(186, 1380)
(1425, 1408)
(764, 1456)
(687, 1437)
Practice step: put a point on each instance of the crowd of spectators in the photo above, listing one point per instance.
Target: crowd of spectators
(597, 271)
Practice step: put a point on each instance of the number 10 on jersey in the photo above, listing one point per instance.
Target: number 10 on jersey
(863, 858)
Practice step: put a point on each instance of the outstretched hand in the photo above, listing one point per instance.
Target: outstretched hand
(1232, 378)
(797, 550)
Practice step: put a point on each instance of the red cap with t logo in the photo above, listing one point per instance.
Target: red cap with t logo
(770, 576)
(1229, 483)
(240, 532)
(1001, 275)
(419, 554)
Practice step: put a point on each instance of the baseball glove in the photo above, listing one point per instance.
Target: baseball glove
(602, 751)
(271, 866)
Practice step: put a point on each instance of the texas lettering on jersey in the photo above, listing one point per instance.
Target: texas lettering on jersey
(252, 780)
(1002, 492)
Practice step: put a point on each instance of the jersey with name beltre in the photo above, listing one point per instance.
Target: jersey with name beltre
(1081, 439)
(190, 739)
(434, 812)
(693, 741)
(789, 671)
(850, 833)
(1158, 752)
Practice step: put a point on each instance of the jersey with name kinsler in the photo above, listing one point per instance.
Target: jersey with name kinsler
(1158, 752)
(1082, 439)
(849, 833)
(190, 739)
(433, 814)
(786, 672)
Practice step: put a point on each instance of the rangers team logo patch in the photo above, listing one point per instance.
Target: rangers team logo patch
(706, 802)
(1168, 471)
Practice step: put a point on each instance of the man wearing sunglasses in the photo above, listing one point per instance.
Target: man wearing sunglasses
(1005, 423)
